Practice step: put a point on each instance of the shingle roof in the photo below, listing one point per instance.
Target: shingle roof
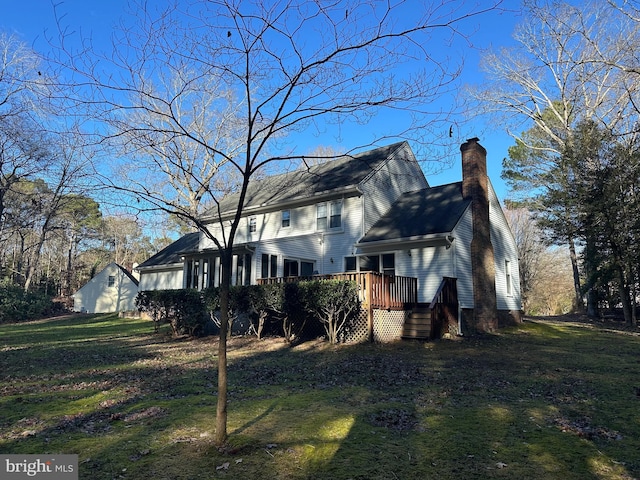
(336, 175)
(173, 252)
(423, 212)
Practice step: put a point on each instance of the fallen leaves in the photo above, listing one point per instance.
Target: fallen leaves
(582, 428)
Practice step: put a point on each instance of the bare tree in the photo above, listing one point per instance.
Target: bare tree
(550, 290)
(40, 160)
(65, 178)
(557, 77)
(211, 91)
(529, 242)
(22, 83)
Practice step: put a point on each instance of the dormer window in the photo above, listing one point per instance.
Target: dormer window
(329, 215)
(286, 218)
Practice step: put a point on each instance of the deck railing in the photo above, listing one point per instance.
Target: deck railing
(444, 308)
(376, 290)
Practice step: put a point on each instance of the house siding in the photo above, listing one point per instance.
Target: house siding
(303, 223)
(165, 279)
(400, 174)
(429, 265)
(505, 249)
(463, 234)
(96, 296)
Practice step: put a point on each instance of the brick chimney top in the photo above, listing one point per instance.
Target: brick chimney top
(474, 169)
(471, 143)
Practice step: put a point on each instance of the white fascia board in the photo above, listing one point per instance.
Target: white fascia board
(164, 266)
(429, 240)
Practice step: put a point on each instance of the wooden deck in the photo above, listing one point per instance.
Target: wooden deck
(392, 292)
(388, 292)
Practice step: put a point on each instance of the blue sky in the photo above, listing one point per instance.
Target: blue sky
(29, 19)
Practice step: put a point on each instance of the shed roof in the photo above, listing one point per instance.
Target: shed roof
(172, 253)
(420, 213)
(128, 274)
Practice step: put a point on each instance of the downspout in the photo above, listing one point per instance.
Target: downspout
(321, 241)
(454, 271)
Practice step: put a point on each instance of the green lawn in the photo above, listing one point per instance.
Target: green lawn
(548, 400)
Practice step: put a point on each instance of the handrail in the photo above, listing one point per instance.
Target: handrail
(444, 306)
(376, 290)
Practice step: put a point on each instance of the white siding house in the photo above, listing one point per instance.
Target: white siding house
(113, 289)
(373, 211)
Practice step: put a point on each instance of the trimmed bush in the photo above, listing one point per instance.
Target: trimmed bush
(333, 303)
(183, 309)
(297, 311)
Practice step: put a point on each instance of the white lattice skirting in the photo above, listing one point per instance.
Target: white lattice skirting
(387, 327)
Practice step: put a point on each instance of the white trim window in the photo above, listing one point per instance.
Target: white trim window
(295, 267)
(508, 278)
(382, 263)
(329, 215)
(269, 266)
(253, 224)
(286, 218)
(335, 220)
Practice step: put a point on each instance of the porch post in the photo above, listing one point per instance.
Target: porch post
(369, 297)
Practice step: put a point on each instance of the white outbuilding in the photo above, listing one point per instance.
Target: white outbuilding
(114, 289)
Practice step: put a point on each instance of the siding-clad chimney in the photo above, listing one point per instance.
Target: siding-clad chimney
(475, 187)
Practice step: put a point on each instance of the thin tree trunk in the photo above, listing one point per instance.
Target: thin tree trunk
(623, 291)
(579, 302)
(221, 407)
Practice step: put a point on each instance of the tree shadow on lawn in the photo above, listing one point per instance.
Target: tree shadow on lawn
(481, 414)
(522, 405)
(515, 405)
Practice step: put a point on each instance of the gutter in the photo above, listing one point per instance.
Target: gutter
(300, 201)
(162, 266)
(440, 238)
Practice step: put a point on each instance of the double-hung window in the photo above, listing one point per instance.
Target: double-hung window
(253, 224)
(335, 220)
(269, 266)
(286, 218)
(321, 218)
(329, 215)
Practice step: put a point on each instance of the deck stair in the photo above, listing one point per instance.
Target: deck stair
(418, 325)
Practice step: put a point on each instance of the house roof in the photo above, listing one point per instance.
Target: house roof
(172, 253)
(341, 175)
(430, 211)
(128, 274)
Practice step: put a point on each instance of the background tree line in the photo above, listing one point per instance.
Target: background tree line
(573, 81)
(53, 234)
